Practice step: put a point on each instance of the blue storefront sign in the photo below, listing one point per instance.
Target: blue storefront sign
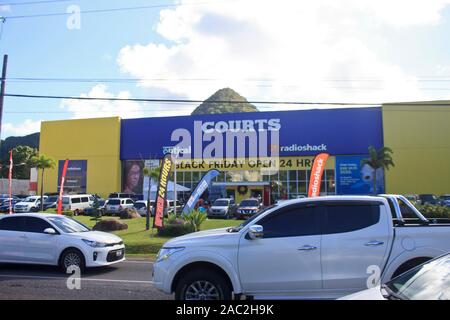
(76, 176)
(353, 178)
(300, 133)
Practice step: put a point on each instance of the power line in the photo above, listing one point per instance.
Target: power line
(190, 101)
(111, 10)
(33, 2)
(26, 79)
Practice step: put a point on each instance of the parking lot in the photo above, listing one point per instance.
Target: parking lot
(128, 280)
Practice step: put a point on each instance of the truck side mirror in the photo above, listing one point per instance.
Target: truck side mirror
(256, 232)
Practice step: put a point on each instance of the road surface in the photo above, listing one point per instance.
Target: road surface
(130, 280)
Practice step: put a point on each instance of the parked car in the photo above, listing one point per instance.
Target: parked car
(412, 197)
(4, 207)
(49, 239)
(115, 206)
(141, 207)
(101, 207)
(6, 200)
(248, 208)
(308, 248)
(51, 202)
(121, 195)
(429, 199)
(428, 281)
(445, 200)
(77, 202)
(170, 206)
(29, 204)
(222, 208)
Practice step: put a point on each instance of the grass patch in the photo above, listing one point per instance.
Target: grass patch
(142, 243)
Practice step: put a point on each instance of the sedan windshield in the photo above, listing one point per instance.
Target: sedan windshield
(249, 203)
(68, 225)
(430, 281)
(30, 200)
(51, 199)
(220, 203)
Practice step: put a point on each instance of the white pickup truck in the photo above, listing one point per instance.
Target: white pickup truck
(314, 248)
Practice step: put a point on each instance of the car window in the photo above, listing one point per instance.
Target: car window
(76, 200)
(347, 217)
(129, 201)
(114, 202)
(85, 199)
(220, 203)
(91, 198)
(12, 224)
(139, 205)
(113, 195)
(35, 225)
(293, 221)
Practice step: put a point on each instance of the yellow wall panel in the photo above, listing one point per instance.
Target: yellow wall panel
(94, 140)
(420, 139)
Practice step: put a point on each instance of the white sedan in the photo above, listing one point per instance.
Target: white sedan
(50, 239)
(429, 281)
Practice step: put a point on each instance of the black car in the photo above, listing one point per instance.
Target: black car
(429, 199)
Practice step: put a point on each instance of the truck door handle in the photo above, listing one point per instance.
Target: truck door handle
(307, 248)
(373, 243)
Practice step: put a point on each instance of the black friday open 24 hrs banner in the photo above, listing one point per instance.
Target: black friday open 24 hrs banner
(161, 194)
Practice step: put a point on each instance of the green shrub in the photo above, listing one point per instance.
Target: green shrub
(129, 214)
(68, 213)
(110, 225)
(434, 211)
(195, 218)
(176, 229)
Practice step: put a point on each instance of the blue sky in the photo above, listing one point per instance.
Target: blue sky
(285, 50)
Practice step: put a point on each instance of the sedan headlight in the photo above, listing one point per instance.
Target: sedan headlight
(94, 244)
(165, 253)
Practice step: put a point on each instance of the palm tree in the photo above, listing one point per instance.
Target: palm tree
(152, 174)
(378, 159)
(42, 162)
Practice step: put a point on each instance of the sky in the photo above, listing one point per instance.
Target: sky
(286, 50)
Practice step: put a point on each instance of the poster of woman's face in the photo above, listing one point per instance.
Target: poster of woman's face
(132, 181)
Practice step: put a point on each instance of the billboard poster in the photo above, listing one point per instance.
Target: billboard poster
(352, 178)
(76, 176)
(133, 176)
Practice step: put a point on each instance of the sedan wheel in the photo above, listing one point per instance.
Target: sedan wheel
(71, 258)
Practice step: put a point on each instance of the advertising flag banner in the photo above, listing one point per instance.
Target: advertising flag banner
(61, 189)
(198, 191)
(10, 180)
(316, 174)
(161, 194)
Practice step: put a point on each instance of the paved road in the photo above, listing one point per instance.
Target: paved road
(126, 280)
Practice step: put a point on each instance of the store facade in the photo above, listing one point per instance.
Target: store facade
(261, 154)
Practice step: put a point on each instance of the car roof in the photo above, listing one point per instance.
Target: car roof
(35, 215)
(227, 199)
(331, 198)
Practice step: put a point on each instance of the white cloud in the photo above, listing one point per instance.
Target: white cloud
(99, 108)
(21, 129)
(299, 45)
(5, 8)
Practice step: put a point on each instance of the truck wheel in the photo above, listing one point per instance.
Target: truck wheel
(201, 285)
(72, 257)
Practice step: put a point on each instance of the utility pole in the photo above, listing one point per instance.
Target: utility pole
(2, 89)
